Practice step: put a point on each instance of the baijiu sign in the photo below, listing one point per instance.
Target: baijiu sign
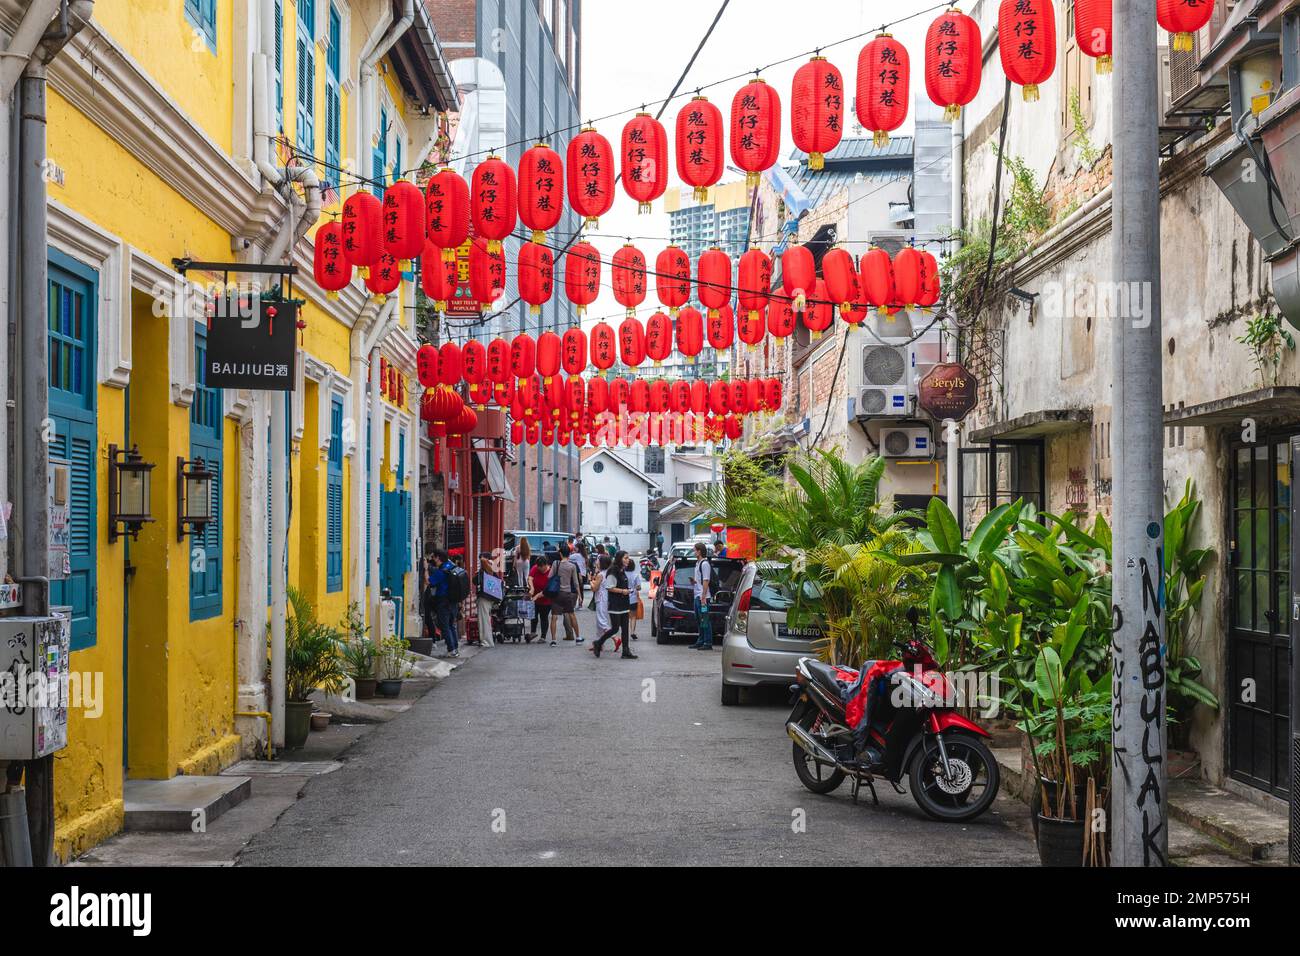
(252, 343)
(948, 391)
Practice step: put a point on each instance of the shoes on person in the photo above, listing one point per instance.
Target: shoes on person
(552, 643)
(455, 654)
(595, 648)
(578, 640)
(630, 657)
(634, 637)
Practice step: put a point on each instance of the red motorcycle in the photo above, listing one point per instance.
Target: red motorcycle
(893, 720)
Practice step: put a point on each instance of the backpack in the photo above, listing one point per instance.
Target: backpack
(457, 584)
(553, 582)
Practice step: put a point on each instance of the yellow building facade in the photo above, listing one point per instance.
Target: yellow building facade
(155, 153)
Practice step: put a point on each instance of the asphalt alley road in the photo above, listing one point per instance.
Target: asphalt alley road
(535, 755)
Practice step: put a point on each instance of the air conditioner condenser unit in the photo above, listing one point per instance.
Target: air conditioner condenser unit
(914, 442)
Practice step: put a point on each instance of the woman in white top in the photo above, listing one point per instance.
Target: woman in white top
(602, 595)
(633, 593)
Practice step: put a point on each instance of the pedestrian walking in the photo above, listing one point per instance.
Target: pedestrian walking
(615, 586)
(703, 579)
(563, 590)
(659, 541)
(601, 596)
(636, 608)
(522, 563)
(438, 604)
(538, 577)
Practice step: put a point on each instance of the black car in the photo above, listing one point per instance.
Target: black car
(673, 612)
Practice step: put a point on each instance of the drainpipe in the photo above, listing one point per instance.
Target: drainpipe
(953, 429)
(372, 489)
(372, 53)
(13, 60)
(32, 389)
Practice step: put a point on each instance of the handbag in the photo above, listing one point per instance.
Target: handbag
(552, 588)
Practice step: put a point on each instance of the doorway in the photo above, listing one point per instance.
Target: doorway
(1259, 625)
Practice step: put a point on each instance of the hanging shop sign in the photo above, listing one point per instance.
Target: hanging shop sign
(252, 343)
(948, 391)
(464, 303)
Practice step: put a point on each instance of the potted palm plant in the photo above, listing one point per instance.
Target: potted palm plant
(359, 664)
(311, 661)
(392, 665)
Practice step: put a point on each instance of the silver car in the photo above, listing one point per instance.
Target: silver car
(759, 647)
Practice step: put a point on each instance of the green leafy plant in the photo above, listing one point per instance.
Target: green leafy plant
(1088, 153)
(311, 658)
(1267, 339)
(1185, 569)
(392, 658)
(359, 656)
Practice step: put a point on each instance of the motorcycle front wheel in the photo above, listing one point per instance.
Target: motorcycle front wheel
(817, 777)
(972, 786)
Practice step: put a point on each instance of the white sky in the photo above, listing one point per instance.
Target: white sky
(624, 65)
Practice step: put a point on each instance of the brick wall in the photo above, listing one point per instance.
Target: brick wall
(456, 22)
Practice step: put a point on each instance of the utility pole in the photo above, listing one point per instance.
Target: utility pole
(1139, 817)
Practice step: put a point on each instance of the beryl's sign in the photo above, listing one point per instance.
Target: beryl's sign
(948, 391)
(252, 343)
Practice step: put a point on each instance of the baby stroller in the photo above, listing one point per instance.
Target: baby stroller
(511, 616)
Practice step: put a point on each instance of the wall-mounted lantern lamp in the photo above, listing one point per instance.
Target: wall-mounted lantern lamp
(129, 485)
(193, 496)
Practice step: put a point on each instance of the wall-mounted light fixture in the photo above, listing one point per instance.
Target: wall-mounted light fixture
(129, 487)
(193, 496)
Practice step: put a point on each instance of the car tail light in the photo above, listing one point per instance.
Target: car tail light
(672, 579)
(742, 610)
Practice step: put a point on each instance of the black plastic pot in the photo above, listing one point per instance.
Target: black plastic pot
(1053, 787)
(365, 687)
(1060, 842)
(390, 688)
(422, 645)
(297, 722)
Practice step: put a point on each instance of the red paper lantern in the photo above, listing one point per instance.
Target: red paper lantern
(449, 363)
(877, 279)
(487, 273)
(503, 393)
(604, 348)
(817, 109)
(573, 351)
(658, 337)
(498, 361)
(536, 275)
(699, 396)
(738, 397)
(638, 399)
(713, 279)
(426, 365)
(1183, 18)
(781, 317)
(645, 160)
(1027, 42)
(533, 433)
(719, 398)
(841, 275)
(750, 327)
(952, 62)
(699, 145)
(720, 327)
(690, 332)
(1093, 31)
(363, 230)
(930, 290)
(884, 78)
(541, 190)
(403, 221)
(493, 201)
(673, 278)
(819, 310)
(755, 130)
(523, 356)
(516, 433)
(330, 268)
(548, 356)
(754, 283)
(590, 175)
(660, 396)
(798, 274)
(907, 276)
(473, 362)
(628, 271)
(619, 394)
(679, 397)
(438, 276)
(446, 211)
(631, 342)
(597, 396)
(385, 276)
(582, 275)
(575, 396)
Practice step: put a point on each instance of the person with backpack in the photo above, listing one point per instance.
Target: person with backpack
(703, 580)
(438, 601)
(563, 589)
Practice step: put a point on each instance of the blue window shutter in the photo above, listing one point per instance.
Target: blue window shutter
(334, 501)
(205, 442)
(202, 15)
(333, 96)
(369, 438)
(279, 63)
(73, 293)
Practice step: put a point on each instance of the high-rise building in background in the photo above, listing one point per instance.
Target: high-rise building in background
(517, 63)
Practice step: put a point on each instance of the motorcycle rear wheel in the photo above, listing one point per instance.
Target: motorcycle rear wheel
(817, 777)
(929, 791)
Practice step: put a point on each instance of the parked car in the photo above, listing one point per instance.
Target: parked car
(673, 613)
(759, 646)
(539, 542)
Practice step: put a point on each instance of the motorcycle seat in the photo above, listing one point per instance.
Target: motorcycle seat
(827, 676)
